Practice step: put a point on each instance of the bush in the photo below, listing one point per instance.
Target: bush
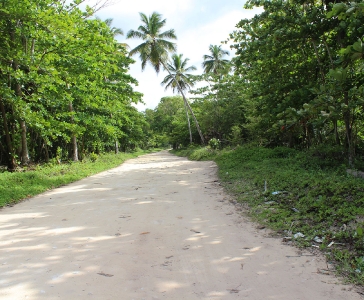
(93, 157)
(214, 143)
(201, 154)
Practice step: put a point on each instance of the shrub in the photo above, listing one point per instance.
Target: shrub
(214, 143)
(93, 157)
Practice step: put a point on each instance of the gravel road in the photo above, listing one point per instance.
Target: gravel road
(157, 227)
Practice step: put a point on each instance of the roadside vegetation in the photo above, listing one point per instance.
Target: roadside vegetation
(307, 197)
(35, 179)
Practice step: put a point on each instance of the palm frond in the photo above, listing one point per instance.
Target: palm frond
(169, 46)
(135, 34)
(191, 68)
(169, 34)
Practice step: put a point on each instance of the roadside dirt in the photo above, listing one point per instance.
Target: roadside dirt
(157, 227)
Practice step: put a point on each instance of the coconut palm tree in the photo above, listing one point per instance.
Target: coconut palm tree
(156, 47)
(215, 62)
(177, 73)
(116, 31)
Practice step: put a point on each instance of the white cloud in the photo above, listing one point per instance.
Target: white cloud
(195, 43)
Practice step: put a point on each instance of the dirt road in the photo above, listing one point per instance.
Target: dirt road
(157, 227)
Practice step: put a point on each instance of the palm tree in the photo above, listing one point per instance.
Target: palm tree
(177, 73)
(215, 62)
(156, 47)
(114, 30)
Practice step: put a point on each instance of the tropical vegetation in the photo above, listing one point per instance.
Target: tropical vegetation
(65, 89)
(285, 112)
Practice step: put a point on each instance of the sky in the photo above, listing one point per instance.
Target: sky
(197, 24)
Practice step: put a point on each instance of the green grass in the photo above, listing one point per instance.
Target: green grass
(314, 196)
(26, 183)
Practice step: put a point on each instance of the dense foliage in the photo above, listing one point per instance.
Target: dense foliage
(303, 62)
(297, 80)
(64, 84)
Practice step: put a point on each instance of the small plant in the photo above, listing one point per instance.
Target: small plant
(214, 143)
(59, 155)
(93, 157)
(201, 154)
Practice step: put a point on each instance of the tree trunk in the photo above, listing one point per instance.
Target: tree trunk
(189, 124)
(10, 151)
(187, 104)
(319, 61)
(337, 138)
(348, 129)
(116, 147)
(73, 139)
(74, 148)
(24, 145)
(46, 152)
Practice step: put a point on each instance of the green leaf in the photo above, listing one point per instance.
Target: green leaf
(359, 231)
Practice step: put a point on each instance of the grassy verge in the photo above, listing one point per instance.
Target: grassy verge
(39, 178)
(306, 197)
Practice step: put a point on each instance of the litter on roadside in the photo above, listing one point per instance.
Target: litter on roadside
(299, 235)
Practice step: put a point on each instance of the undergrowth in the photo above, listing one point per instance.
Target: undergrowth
(35, 179)
(307, 197)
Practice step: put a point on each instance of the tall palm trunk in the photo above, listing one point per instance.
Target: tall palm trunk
(187, 104)
(189, 123)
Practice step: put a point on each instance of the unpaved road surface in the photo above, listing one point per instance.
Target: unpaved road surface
(157, 227)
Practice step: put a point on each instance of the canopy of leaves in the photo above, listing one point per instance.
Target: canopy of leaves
(62, 74)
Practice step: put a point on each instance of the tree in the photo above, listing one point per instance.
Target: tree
(215, 66)
(167, 122)
(215, 61)
(301, 62)
(64, 86)
(156, 47)
(177, 73)
(116, 31)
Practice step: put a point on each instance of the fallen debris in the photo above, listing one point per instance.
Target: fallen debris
(299, 235)
(104, 274)
(318, 239)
